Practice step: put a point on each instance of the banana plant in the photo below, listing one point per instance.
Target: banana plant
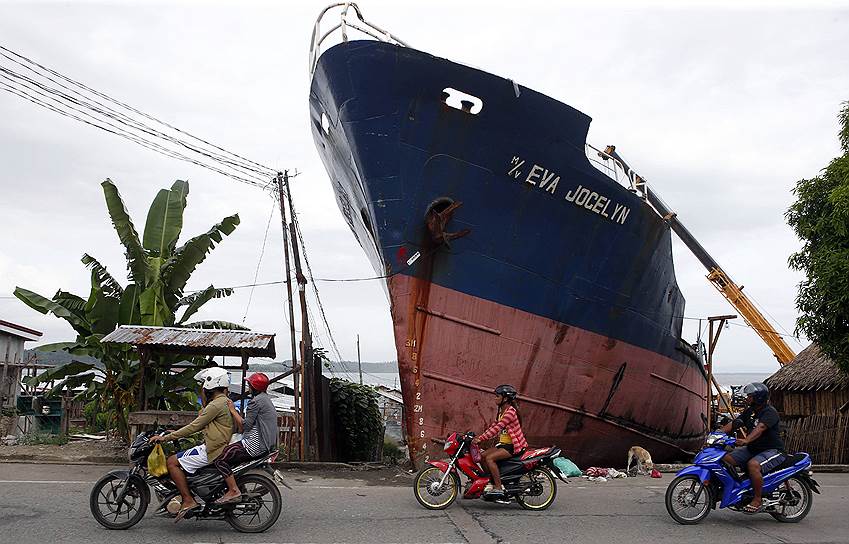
(158, 271)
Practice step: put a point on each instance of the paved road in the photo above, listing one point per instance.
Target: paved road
(48, 504)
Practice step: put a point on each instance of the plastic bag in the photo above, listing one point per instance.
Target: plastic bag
(475, 450)
(156, 466)
(567, 467)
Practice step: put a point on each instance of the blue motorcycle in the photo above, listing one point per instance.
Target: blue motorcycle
(698, 488)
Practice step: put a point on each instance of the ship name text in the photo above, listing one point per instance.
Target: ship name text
(547, 180)
(596, 203)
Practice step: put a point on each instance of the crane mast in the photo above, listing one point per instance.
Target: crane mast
(716, 275)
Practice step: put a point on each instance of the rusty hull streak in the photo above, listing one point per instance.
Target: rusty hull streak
(459, 320)
(549, 404)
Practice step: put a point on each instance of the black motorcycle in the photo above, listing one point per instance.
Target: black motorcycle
(120, 499)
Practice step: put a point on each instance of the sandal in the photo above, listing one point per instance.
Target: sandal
(232, 500)
(751, 510)
(185, 511)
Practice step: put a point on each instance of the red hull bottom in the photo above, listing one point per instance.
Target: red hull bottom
(590, 395)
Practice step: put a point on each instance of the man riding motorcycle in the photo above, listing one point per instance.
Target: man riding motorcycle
(259, 435)
(511, 440)
(217, 426)
(762, 449)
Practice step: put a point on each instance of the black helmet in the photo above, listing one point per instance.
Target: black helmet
(506, 391)
(759, 392)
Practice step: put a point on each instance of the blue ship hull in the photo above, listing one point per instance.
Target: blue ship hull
(537, 239)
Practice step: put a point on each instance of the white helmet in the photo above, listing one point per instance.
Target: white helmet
(213, 378)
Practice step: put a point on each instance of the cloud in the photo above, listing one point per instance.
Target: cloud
(721, 110)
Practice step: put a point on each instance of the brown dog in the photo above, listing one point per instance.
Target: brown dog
(643, 458)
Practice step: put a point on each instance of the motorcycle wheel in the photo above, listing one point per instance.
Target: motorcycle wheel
(103, 502)
(544, 493)
(260, 505)
(680, 494)
(805, 500)
(428, 492)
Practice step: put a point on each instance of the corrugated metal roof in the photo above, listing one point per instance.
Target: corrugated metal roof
(202, 341)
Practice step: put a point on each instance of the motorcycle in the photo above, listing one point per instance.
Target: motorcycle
(696, 490)
(527, 478)
(120, 499)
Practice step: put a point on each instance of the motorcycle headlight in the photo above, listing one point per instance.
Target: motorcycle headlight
(446, 446)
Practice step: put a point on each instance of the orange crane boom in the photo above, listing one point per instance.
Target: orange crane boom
(716, 275)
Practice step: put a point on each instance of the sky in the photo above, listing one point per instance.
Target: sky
(722, 107)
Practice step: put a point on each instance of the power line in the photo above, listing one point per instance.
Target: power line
(71, 102)
(259, 261)
(123, 134)
(29, 63)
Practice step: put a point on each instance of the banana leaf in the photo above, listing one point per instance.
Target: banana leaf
(210, 324)
(45, 305)
(179, 267)
(60, 373)
(70, 302)
(128, 311)
(109, 285)
(154, 311)
(165, 220)
(57, 346)
(69, 383)
(101, 310)
(136, 257)
(196, 300)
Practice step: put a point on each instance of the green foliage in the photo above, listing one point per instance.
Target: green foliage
(358, 419)
(158, 273)
(37, 439)
(820, 217)
(391, 452)
(95, 420)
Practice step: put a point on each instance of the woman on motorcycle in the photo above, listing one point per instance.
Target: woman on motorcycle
(511, 439)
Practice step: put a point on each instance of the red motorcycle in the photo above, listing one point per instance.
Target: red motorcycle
(527, 478)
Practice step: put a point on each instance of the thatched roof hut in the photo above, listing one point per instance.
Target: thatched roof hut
(812, 395)
(811, 370)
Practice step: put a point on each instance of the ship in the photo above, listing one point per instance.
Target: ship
(510, 252)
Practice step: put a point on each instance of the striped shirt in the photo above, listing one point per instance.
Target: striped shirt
(252, 442)
(508, 421)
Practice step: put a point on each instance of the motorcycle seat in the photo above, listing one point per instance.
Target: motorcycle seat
(790, 459)
(202, 472)
(531, 452)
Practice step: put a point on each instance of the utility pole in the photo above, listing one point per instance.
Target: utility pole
(359, 363)
(712, 341)
(311, 383)
(281, 179)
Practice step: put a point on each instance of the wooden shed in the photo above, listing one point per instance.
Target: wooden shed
(812, 395)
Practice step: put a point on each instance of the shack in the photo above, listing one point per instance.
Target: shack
(171, 340)
(12, 338)
(812, 395)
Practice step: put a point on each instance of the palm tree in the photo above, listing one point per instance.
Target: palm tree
(158, 271)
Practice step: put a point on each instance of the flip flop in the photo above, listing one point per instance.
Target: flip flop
(185, 511)
(231, 500)
(752, 510)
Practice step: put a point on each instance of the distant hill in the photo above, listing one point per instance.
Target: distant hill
(58, 358)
